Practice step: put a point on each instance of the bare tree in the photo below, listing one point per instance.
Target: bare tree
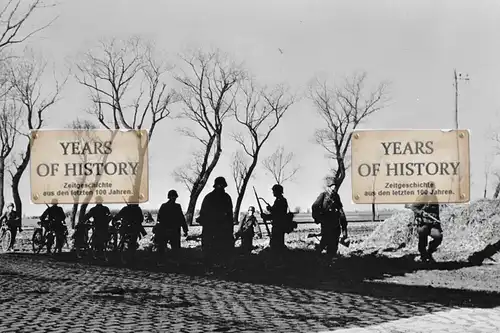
(189, 173)
(239, 169)
(343, 109)
(31, 94)
(280, 165)
(9, 119)
(207, 99)
(126, 82)
(488, 161)
(85, 125)
(14, 16)
(127, 86)
(260, 113)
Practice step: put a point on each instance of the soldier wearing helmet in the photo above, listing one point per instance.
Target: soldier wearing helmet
(328, 210)
(132, 219)
(246, 230)
(216, 218)
(13, 221)
(278, 215)
(170, 221)
(53, 217)
(101, 216)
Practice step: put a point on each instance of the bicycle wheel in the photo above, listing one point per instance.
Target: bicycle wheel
(6, 239)
(37, 240)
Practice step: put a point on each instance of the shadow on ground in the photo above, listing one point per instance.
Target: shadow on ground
(305, 269)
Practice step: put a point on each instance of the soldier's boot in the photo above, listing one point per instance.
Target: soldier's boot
(424, 257)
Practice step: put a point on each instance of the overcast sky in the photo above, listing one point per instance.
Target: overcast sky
(413, 44)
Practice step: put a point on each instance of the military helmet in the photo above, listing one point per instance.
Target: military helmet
(277, 188)
(172, 194)
(10, 205)
(220, 181)
(252, 208)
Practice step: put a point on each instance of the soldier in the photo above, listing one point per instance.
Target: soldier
(216, 218)
(13, 221)
(329, 212)
(170, 221)
(54, 217)
(132, 227)
(428, 224)
(101, 216)
(247, 229)
(278, 215)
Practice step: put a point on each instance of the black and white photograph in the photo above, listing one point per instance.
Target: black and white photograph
(249, 166)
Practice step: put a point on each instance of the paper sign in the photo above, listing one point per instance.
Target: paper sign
(410, 166)
(89, 166)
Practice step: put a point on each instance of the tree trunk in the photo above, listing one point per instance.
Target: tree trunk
(243, 189)
(193, 198)
(74, 210)
(83, 211)
(497, 191)
(373, 212)
(339, 174)
(202, 180)
(2, 181)
(16, 179)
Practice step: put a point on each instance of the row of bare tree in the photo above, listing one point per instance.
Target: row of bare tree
(130, 86)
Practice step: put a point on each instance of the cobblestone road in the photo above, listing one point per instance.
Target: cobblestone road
(40, 294)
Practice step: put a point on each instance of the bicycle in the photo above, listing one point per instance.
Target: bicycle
(41, 239)
(113, 236)
(81, 237)
(5, 236)
(128, 241)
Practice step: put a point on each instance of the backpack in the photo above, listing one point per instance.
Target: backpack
(290, 224)
(317, 207)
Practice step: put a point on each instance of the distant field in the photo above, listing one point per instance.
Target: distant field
(299, 218)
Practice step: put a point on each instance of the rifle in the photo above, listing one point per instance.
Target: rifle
(425, 214)
(261, 212)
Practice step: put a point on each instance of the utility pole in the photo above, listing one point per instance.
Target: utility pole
(458, 78)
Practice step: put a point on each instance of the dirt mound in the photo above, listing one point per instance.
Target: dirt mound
(395, 232)
(466, 229)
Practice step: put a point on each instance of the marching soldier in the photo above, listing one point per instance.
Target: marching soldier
(329, 212)
(170, 221)
(246, 230)
(13, 221)
(428, 224)
(101, 216)
(56, 218)
(216, 218)
(278, 215)
(132, 218)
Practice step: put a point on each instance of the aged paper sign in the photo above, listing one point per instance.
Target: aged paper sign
(88, 166)
(410, 166)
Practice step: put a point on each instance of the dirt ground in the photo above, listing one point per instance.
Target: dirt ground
(301, 266)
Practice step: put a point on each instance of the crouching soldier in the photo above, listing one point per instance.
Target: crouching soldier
(246, 230)
(170, 221)
(329, 212)
(428, 224)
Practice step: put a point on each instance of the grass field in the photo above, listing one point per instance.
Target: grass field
(352, 217)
